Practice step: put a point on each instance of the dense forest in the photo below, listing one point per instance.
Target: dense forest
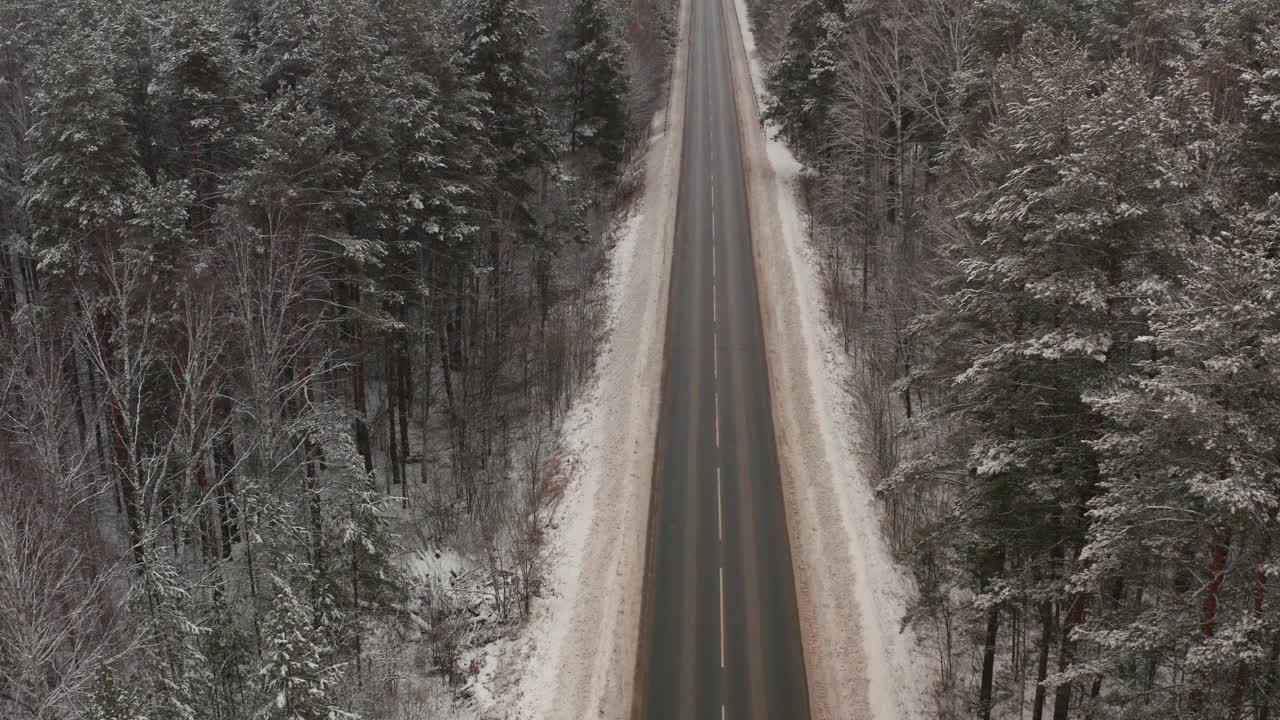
(288, 288)
(1050, 238)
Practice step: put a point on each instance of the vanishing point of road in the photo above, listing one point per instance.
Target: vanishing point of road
(720, 636)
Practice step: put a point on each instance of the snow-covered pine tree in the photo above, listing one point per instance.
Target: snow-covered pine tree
(436, 155)
(1191, 457)
(497, 42)
(180, 673)
(596, 86)
(1262, 106)
(802, 81)
(204, 94)
(323, 146)
(1156, 35)
(354, 579)
(17, 266)
(298, 676)
(112, 701)
(323, 124)
(83, 171)
(1189, 512)
(228, 648)
(1089, 191)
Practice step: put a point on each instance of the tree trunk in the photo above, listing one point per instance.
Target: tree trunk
(1075, 616)
(1219, 550)
(124, 465)
(428, 366)
(457, 423)
(1110, 602)
(1240, 687)
(994, 566)
(393, 402)
(1076, 611)
(246, 532)
(988, 663)
(405, 374)
(223, 466)
(8, 287)
(363, 443)
(1273, 675)
(207, 513)
(355, 604)
(1042, 662)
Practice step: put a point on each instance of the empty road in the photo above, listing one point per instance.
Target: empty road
(720, 636)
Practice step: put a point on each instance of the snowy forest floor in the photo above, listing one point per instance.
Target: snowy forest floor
(851, 594)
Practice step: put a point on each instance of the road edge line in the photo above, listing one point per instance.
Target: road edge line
(679, 89)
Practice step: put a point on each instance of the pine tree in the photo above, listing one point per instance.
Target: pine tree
(110, 701)
(497, 39)
(1156, 35)
(323, 120)
(802, 81)
(180, 671)
(83, 173)
(1262, 105)
(297, 676)
(596, 86)
(204, 90)
(1192, 460)
(353, 533)
(1086, 201)
(229, 651)
(433, 126)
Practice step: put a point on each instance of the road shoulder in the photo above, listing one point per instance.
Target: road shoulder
(850, 593)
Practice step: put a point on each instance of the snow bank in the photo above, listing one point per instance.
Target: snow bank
(850, 592)
(576, 657)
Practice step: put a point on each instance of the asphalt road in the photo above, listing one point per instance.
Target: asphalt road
(720, 637)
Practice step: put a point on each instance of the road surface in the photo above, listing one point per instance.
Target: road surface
(720, 636)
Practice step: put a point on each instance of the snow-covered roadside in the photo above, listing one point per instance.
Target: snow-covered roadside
(850, 592)
(576, 656)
